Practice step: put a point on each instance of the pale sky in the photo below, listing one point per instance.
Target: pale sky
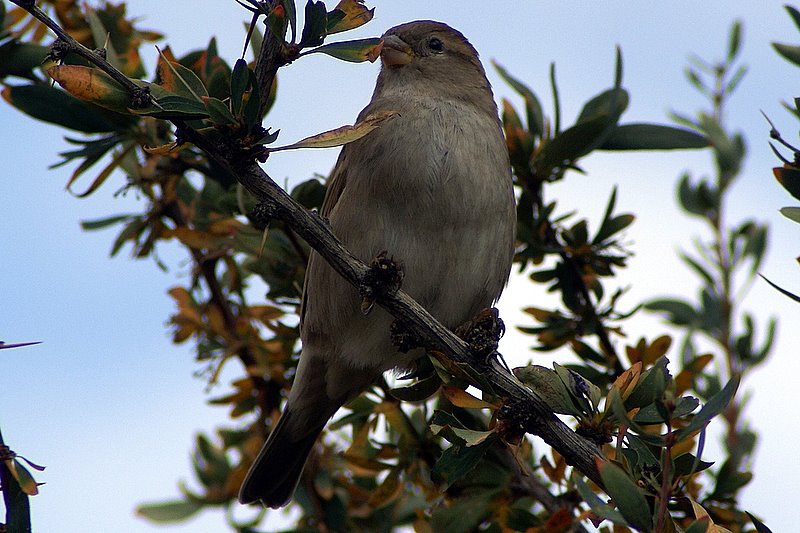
(112, 407)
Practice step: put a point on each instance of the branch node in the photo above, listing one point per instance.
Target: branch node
(383, 278)
(483, 332)
(140, 97)
(262, 214)
(58, 50)
(404, 338)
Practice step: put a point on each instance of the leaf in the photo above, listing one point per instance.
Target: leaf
(653, 137)
(463, 516)
(169, 106)
(355, 51)
(712, 408)
(461, 398)
(52, 105)
(789, 178)
(177, 79)
(650, 415)
(609, 103)
(19, 59)
(92, 85)
(678, 312)
(125, 149)
(240, 77)
(172, 511)
(343, 135)
(533, 108)
(458, 461)
(734, 41)
(760, 527)
(626, 495)
(792, 213)
(598, 506)
(347, 15)
(419, 391)
(218, 111)
(788, 52)
(316, 22)
(100, 223)
(549, 387)
(794, 297)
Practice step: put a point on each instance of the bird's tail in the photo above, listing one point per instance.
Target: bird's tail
(277, 469)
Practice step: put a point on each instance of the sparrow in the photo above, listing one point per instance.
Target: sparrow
(432, 187)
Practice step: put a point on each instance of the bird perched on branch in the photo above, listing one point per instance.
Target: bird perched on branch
(432, 187)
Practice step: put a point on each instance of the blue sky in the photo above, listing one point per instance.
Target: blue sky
(111, 406)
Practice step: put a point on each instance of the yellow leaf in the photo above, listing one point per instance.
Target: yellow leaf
(92, 85)
(343, 135)
(461, 398)
(656, 349)
(166, 149)
(104, 174)
(628, 380)
(355, 14)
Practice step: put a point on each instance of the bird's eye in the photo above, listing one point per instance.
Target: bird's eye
(436, 44)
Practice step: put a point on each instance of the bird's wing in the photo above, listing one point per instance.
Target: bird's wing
(336, 184)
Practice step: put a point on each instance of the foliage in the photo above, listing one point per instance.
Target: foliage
(788, 175)
(428, 453)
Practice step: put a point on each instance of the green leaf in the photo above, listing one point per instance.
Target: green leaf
(174, 107)
(463, 516)
(678, 312)
(653, 137)
(650, 387)
(760, 527)
(688, 464)
(250, 113)
(650, 415)
(792, 213)
(627, 495)
(598, 506)
(355, 51)
(789, 178)
(458, 461)
(612, 225)
(712, 408)
(419, 391)
(55, 106)
(240, 77)
(167, 512)
(788, 52)
(794, 297)
(568, 146)
(549, 387)
(100, 223)
(316, 22)
(794, 14)
(185, 82)
(20, 59)
(734, 41)
(609, 103)
(699, 526)
(533, 108)
(218, 111)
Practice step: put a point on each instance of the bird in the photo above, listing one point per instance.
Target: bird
(433, 188)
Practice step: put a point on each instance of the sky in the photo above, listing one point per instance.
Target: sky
(112, 407)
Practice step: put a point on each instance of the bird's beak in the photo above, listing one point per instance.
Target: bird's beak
(395, 52)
